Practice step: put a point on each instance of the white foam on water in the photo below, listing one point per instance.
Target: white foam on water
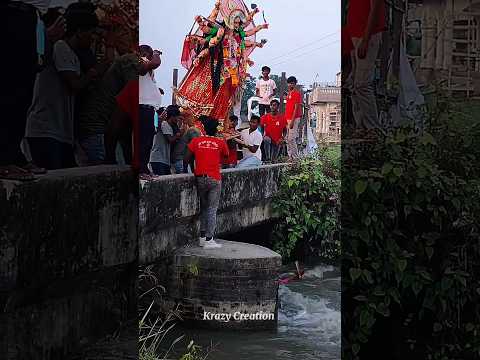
(319, 271)
(308, 316)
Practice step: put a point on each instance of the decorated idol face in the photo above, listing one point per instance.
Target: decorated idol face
(237, 22)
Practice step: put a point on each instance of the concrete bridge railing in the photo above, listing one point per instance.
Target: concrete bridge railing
(169, 207)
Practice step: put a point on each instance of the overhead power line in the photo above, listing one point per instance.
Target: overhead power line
(306, 53)
(304, 46)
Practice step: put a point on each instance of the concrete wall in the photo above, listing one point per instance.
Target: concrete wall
(169, 207)
(68, 260)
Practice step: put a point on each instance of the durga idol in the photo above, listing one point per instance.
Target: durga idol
(219, 61)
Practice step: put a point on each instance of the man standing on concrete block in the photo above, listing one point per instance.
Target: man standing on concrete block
(209, 153)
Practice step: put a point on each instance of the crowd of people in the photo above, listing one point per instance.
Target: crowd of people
(166, 132)
(173, 140)
(72, 64)
(85, 94)
(85, 89)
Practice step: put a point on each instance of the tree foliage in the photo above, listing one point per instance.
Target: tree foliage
(410, 243)
(308, 205)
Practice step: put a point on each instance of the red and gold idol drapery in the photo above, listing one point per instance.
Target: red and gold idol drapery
(196, 93)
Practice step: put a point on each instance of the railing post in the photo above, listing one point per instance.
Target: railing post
(175, 83)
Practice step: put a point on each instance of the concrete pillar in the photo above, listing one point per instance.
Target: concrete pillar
(397, 23)
(448, 39)
(428, 44)
(439, 58)
(238, 278)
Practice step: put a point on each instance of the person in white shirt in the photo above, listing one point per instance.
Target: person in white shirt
(149, 101)
(50, 127)
(251, 140)
(265, 90)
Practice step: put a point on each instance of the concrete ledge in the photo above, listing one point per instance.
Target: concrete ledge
(51, 322)
(169, 207)
(65, 223)
(68, 259)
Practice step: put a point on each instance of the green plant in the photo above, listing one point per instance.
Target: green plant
(192, 269)
(156, 322)
(410, 210)
(152, 333)
(194, 352)
(307, 204)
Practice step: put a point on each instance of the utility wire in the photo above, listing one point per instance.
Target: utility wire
(306, 53)
(304, 46)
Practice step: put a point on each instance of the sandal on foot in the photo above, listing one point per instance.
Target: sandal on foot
(12, 172)
(34, 169)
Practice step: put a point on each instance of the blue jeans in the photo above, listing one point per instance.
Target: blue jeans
(179, 168)
(51, 154)
(271, 149)
(249, 162)
(209, 191)
(160, 169)
(94, 147)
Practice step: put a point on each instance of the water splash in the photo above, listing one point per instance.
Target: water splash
(308, 316)
(319, 271)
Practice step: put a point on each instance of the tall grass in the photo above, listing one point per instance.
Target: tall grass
(155, 323)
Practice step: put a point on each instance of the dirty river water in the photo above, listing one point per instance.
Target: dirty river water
(308, 325)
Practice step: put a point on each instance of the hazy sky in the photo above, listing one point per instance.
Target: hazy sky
(303, 38)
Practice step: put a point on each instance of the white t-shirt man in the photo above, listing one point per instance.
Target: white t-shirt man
(51, 114)
(266, 88)
(149, 92)
(254, 138)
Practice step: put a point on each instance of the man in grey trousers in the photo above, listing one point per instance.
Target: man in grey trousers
(208, 152)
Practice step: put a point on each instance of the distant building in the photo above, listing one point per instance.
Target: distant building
(443, 43)
(325, 111)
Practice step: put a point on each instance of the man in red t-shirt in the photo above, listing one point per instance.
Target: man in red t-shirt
(274, 129)
(208, 152)
(293, 115)
(127, 111)
(365, 22)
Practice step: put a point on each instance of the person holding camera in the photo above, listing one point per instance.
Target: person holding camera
(150, 99)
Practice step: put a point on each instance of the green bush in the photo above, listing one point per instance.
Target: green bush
(307, 204)
(410, 243)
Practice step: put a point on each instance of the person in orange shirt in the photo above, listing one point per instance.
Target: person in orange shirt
(274, 129)
(293, 115)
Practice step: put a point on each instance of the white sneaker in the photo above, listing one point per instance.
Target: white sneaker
(211, 244)
(202, 241)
